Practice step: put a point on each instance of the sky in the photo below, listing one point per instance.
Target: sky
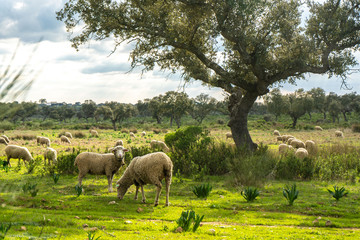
(63, 74)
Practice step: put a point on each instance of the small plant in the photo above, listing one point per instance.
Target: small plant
(31, 188)
(91, 236)
(56, 177)
(290, 193)
(338, 192)
(187, 218)
(4, 165)
(4, 228)
(250, 194)
(78, 190)
(178, 177)
(202, 191)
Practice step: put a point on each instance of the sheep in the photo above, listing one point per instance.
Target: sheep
(301, 153)
(94, 133)
(6, 138)
(286, 137)
(132, 134)
(296, 143)
(43, 141)
(228, 135)
(68, 134)
(310, 146)
(65, 139)
(148, 169)
(50, 154)
(318, 128)
(283, 148)
(3, 141)
(119, 143)
(279, 138)
(277, 133)
(143, 134)
(290, 140)
(14, 151)
(101, 164)
(159, 144)
(339, 134)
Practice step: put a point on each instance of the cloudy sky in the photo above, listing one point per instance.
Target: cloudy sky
(64, 75)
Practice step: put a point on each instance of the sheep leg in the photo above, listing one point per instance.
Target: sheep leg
(159, 186)
(109, 177)
(168, 182)
(136, 192)
(8, 160)
(143, 194)
(81, 175)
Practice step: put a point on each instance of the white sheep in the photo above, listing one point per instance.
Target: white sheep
(318, 128)
(132, 134)
(3, 141)
(286, 137)
(50, 154)
(277, 133)
(279, 138)
(68, 134)
(290, 140)
(143, 134)
(101, 164)
(94, 133)
(296, 143)
(301, 153)
(339, 134)
(6, 138)
(310, 146)
(14, 151)
(43, 141)
(148, 169)
(283, 148)
(228, 135)
(65, 139)
(159, 144)
(119, 143)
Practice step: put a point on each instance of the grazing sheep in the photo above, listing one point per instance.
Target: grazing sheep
(94, 133)
(159, 144)
(290, 140)
(14, 151)
(228, 135)
(132, 134)
(3, 141)
(6, 138)
(119, 143)
(283, 148)
(310, 146)
(296, 143)
(339, 134)
(301, 153)
(277, 133)
(143, 134)
(148, 169)
(279, 138)
(68, 134)
(101, 164)
(43, 141)
(65, 139)
(318, 128)
(50, 154)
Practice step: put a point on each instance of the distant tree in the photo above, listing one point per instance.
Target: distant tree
(66, 112)
(176, 106)
(308, 102)
(202, 106)
(116, 112)
(88, 109)
(21, 111)
(258, 108)
(296, 106)
(143, 107)
(334, 110)
(42, 101)
(276, 103)
(347, 104)
(319, 99)
(157, 108)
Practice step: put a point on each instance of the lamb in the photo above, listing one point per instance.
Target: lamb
(132, 134)
(228, 135)
(301, 153)
(14, 151)
(339, 134)
(3, 141)
(143, 134)
(68, 134)
(65, 139)
(159, 144)
(50, 154)
(119, 143)
(276, 133)
(94, 133)
(310, 146)
(296, 143)
(6, 138)
(43, 141)
(148, 169)
(318, 128)
(101, 164)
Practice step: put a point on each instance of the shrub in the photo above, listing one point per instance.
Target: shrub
(4, 228)
(124, 130)
(156, 131)
(355, 127)
(338, 192)
(250, 194)
(134, 130)
(65, 162)
(79, 135)
(31, 188)
(25, 137)
(290, 167)
(290, 193)
(6, 125)
(78, 190)
(188, 217)
(202, 191)
(33, 164)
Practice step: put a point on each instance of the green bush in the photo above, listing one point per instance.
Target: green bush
(356, 127)
(338, 192)
(202, 191)
(6, 125)
(65, 162)
(290, 167)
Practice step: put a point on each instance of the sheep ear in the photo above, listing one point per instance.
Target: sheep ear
(125, 150)
(111, 149)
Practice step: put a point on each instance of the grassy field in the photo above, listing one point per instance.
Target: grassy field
(57, 213)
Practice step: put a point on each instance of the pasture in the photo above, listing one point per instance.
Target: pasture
(56, 212)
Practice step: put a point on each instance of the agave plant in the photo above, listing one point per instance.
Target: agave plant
(250, 194)
(338, 192)
(290, 193)
(202, 191)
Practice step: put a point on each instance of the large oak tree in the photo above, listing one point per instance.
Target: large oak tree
(241, 46)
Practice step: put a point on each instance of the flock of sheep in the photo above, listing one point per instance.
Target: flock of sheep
(148, 169)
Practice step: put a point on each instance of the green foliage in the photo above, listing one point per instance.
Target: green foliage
(338, 192)
(4, 228)
(355, 127)
(183, 138)
(65, 162)
(56, 177)
(6, 125)
(78, 190)
(290, 193)
(33, 164)
(79, 135)
(188, 217)
(290, 167)
(91, 236)
(202, 191)
(4, 165)
(250, 194)
(31, 188)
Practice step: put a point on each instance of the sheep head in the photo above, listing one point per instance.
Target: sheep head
(122, 186)
(119, 152)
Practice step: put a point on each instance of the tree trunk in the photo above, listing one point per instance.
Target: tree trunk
(294, 122)
(158, 120)
(239, 108)
(171, 120)
(324, 115)
(114, 124)
(345, 118)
